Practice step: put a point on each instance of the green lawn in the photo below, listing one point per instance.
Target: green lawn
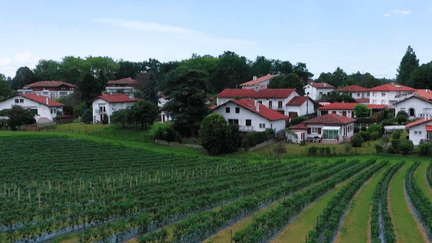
(420, 179)
(355, 226)
(406, 227)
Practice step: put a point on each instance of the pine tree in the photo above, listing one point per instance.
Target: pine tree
(408, 64)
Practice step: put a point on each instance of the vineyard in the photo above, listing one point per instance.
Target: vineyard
(65, 189)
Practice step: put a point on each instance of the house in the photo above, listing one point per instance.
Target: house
(163, 99)
(346, 109)
(250, 115)
(258, 83)
(49, 89)
(127, 86)
(425, 93)
(297, 134)
(360, 94)
(317, 90)
(421, 130)
(45, 109)
(275, 99)
(329, 128)
(299, 106)
(414, 106)
(390, 94)
(105, 105)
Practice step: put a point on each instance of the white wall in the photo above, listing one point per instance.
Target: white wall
(388, 97)
(418, 133)
(43, 111)
(245, 114)
(349, 113)
(109, 109)
(314, 93)
(420, 107)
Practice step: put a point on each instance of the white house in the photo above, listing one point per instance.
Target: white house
(420, 130)
(390, 94)
(414, 106)
(360, 94)
(127, 86)
(106, 105)
(329, 128)
(346, 109)
(299, 106)
(317, 90)
(275, 99)
(251, 116)
(45, 109)
(162, 101)
(49, 89)
(258, 83)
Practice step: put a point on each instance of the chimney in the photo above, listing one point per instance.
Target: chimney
(254, 77)
(46, 100)
(257, 106)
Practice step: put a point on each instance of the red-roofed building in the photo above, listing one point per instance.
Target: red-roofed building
(420, 130)
(425, 93)
(127, 86)
(345, 109)
(258, 83)
(105, 105)
(45, 109)
(389, 94)
(317, 90)
(329, 128)
(300, 106)
(272, 98)
(357, 92)
(49, 89)
(251, 116)
(414, 106)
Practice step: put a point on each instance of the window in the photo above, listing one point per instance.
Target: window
(420, 132)
(429, 135)
(280, 104)
(102, 108)
(262, 125)
(248, 122)
(63, 93)
(415, 132)
(16, 100)
(330, 134)
(45, 93)
(270, 104)
(237, 109)
(368, 94)
(233, 121)
(21, 100)
(260, 102)
(227, 110)
(52, 111)
(320, 93)
(314, 129)
(383, 94)
(358, 94)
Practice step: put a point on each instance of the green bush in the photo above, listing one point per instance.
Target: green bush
(376, 128)
(297, 120)
(391, 150)
(401, 119)
(365, 135)
(87, 115)
(425, 149)
(356, 129)
(379, 148)
(397, 134)
(255, 138)
(168, 134)
(402, 113)
(406, 147)
(312, 150)
(357, 140)
(375, 135)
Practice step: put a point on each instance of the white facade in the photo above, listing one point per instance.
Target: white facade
(102, 107)
(163, 115)
(247, 120)
(388, 97)
(51, 94)
(347, 113)
(414, 107)
(418, 133)
(129, 91)
(335, 132)
(306, 108)
(41, 110)
(316, 93)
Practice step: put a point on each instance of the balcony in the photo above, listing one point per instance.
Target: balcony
(246, 128)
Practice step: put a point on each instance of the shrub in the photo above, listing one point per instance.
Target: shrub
(87, 115)
(397, 134)
(325, 151)
(379, 148)
(280, 148)
(356, 129)
(255, 138)
(79, 109)
(347, 148)
(391, 150)
(406, 147)
(168, 134)
(297, 120)
(402, 113)
(365, 135)
(312, 150)
(364, 129)
(375, 135)
(357, 140)
(376, 128)
(425, 149)
(401, 119)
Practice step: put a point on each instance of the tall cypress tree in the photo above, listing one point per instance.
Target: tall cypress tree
(408, 64)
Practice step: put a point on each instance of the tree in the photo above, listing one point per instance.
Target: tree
(283, 67)
(121, 117)
(301, 70)
(407, 65)
(421, 78)
(361, 111)
(89, 87)
(5, 89)
(47, 70)
(73, 69)
(287, 81)
(144, 112)
(338, 77)
(127, 69)
(186, 90)
(19, 116)
(23, 77)
(149, 91)
(337, 97)
(87, 115)
(217, 136)
(262, 66)
(232, 70)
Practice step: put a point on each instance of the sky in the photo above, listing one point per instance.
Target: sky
(367, 36)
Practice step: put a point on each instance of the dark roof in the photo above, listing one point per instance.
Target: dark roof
(332, 119)
(250, 93)
(392, 87)
(123, 81)
(296, 101)
(50, 84)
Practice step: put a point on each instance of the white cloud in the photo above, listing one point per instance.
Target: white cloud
(22, 57)
(403, 12)
(4, 61)
(387, 15)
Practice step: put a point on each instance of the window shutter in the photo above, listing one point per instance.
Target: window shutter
(319, 130)
(309, 130)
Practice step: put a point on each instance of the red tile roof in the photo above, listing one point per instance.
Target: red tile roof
(296, 101)
(250, 93)
(348, 106)
(415, 97)
(321, 85)
(330, 119)
(265, 112)
(42, 100)
(116, 98)
(392, 87)
(372, 106)
(425, 93)
(352, 88)
(50, 84)
(258, 80)
(300, 126)
(418, 122)
(363, 100)
(123, 81)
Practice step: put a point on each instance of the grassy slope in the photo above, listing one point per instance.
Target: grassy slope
(297, 230)
(420, 178)
(355, 225)
(406, 227)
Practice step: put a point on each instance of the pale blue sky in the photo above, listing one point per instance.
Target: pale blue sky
(366, 36)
